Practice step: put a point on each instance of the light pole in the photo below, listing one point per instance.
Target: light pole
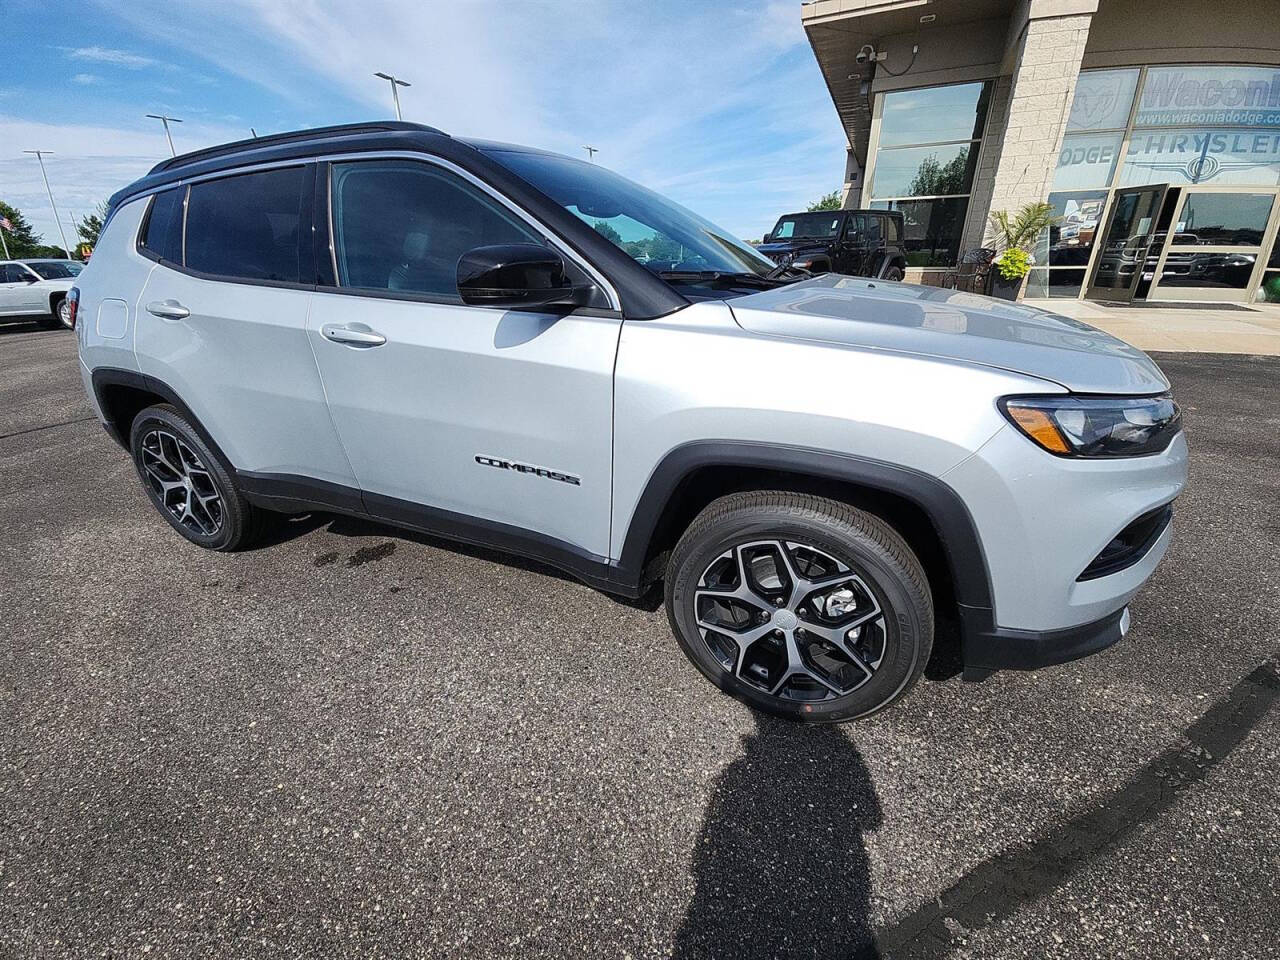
(591, 151)
(62, 233)
(166, 121)
(395, 94)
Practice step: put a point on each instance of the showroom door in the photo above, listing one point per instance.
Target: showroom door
(1215, 252)
(1126, 242)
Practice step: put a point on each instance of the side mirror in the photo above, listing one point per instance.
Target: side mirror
(516, 275)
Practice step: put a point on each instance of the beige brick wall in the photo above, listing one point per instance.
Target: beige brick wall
(1021, 155)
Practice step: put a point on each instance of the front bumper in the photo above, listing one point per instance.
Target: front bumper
(988, 648)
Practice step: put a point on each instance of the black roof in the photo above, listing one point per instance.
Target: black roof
(842, 210)
(380, 135)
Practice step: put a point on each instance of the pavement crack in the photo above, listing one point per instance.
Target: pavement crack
(47, 426)
(999, 886)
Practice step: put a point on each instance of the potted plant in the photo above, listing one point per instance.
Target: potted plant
(1014, 235)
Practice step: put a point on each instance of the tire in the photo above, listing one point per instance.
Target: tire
(61, 310)
(52, 321)
(894, 273)
(872, 602)
(206, 508)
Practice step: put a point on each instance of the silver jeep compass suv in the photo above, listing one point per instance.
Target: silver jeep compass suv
(513, 348)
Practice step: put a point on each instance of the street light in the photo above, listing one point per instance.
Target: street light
(395, 94)
(62, 233)
(591, 151)
(166, 121)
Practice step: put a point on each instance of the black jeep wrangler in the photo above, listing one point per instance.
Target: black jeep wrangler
(860, 243)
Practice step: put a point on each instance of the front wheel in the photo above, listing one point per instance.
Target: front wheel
(800, 606)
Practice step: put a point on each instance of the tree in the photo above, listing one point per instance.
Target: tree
(607, 231)
(90, 227)
(934, 179)
(20, 237)
(828, 201)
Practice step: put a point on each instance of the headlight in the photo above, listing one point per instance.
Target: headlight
(1092, 426)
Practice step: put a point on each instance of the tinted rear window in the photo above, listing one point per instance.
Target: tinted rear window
(247, 226)
(53, 269)
(163, 234)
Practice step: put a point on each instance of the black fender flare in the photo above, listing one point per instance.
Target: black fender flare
(118, 377)
(951, 519)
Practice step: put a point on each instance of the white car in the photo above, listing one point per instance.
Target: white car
(37, 288)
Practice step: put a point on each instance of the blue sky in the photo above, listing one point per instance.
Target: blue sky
(719, 105)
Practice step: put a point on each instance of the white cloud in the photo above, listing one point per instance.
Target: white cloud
(694, 98)
(87, 79)
(118, 58)
(88, 163)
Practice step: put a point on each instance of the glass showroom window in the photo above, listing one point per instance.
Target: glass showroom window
(1086, 166)
(923, 164)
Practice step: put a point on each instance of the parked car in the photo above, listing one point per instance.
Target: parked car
(857, 243)
(385, 321)
(37, 288)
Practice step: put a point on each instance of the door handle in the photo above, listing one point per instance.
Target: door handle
(352, 335)
(168, 310)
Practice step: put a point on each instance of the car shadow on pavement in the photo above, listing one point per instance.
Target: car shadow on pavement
(299, 525)
(781, 867)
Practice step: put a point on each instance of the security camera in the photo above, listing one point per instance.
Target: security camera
(866, 54)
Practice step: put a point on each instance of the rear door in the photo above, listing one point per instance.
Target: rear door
(222, 319)
(451, 412)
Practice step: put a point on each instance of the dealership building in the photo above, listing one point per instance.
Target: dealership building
(1151, 126)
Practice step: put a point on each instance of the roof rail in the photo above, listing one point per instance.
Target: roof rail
(292, 136)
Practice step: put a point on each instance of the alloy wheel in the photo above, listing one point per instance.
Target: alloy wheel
(181, 482)
(790, 620)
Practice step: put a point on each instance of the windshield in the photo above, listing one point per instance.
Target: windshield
(806, 225)
(660, 234)
(56, 269)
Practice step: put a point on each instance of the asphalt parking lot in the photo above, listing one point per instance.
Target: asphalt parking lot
(356, 742)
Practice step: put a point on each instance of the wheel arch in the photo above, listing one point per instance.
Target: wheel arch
(928, 513)
(123, 394)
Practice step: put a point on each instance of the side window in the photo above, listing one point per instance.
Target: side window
(10, 273)
(403, 225)
(891, 232)
(852, 228)
(871, 231)
(246, 226)
(162, 235)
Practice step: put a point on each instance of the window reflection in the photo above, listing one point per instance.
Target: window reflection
(934, 115)
(1223, 219)
(1226, 270)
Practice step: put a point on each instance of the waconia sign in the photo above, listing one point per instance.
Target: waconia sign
(1183, 96)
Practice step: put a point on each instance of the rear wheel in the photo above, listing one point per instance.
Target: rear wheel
(800, 606)
(893, 273)
(53, 320)
(62, 310)
(189, 484)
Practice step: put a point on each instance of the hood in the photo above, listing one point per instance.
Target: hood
(949, 324)
(776, 248)
(64, 283)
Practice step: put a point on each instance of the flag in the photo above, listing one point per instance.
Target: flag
(4, 222)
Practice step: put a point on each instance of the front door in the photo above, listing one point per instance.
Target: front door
(18, 291)
(1126, 241)
(451, 412)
